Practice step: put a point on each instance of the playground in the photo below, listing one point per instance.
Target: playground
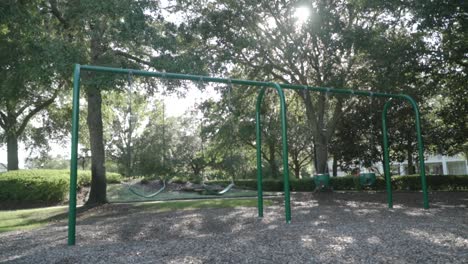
(326, 227)
(233, 132)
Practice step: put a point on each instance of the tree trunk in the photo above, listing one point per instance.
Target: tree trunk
(335, 166)
(98, 171)
(316, 117)
(272, 161)
(321, 154)
(12, 150)
(297, 168)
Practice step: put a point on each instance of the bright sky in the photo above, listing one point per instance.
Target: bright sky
(176, 106)
(302, 14)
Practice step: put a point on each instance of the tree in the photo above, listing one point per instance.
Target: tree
(153, 148)
(335, 46)
(189, 153)
(124, 115)
(299, 137)
(122, 34)
(32, 70)
(444, 23)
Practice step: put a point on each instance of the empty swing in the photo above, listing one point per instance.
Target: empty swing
(232, 184)
(321, 180)
(367, 179)
(131, 187)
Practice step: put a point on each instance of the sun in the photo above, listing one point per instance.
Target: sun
(302, 13)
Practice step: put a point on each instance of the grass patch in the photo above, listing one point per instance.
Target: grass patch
(200, 204)
(120, 193)
(35, 218)
(29, 218)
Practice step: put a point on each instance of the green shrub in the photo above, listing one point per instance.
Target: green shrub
(343, 183)
(302, 185)
(43, 185)
(411, 182)
(434, 182)
(268, 185)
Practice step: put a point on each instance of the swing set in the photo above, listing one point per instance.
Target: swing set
(204, 190)
(284, 138)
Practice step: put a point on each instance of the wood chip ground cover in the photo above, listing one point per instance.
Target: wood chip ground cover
(326, 228)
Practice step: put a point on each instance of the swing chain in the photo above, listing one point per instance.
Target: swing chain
(230, 105)
(201, 83)
(130, 117)
(129, 92)
(130, 99)
(233, 127)
(327, 93)
(304, 91)
(163, 112)
(371, 141)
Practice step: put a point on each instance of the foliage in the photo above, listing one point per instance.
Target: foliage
(42, 185)
(434, 182)
(33, 65)
(47, 162)
(345, 44)
(130, 34)
(123, 116)
(416, 47)
(411, 182)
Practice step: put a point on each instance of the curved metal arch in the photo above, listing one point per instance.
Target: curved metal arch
(422, 168)
(284, 137)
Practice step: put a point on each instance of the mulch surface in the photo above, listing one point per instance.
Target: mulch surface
(338, 227)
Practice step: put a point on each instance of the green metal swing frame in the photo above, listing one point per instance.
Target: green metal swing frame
(263, 86)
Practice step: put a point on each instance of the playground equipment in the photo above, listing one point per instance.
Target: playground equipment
(130, 126)
(141, 190)
(263, 86)
(367, 179)
(322, 181)
(151, 195)
(206, 190)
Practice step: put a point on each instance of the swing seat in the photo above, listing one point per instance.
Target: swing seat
(206, 191)
(367, 179)
(322, 181)
(151, 195)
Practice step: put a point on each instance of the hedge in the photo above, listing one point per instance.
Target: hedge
(43, 185)
(410, 182)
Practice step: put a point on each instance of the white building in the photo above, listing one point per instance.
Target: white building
(439, 165)
(435, 165)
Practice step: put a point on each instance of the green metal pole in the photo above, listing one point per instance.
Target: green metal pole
(258, 130)
(179, 76)
(386, 162)
(284, 137)
(422, 165)
(74, 157)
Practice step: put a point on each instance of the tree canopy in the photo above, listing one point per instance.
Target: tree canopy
(414, 47)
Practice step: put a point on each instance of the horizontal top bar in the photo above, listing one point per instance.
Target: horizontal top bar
(201, 78)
